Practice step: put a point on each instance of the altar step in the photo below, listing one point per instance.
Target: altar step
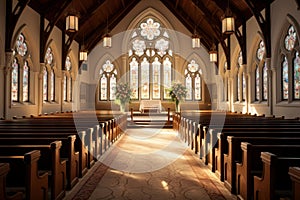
(149, 124)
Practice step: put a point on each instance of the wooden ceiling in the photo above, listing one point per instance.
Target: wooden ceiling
(205, 15)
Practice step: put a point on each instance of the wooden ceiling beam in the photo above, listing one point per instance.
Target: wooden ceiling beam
(96, 34)
(187, 22)
(90, 13)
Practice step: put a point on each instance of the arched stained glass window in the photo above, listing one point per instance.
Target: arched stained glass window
(260, 53)
(156, 65)
(167, 82)
(285, 79)
(113, 85)
(145, 76)
(134, 78)
(68, 63)
(45, 85)
(150, 61)
(15, 81)
(70, 89)
(257, 85)
(193, 81)
(261, 76)
(238, 88)
(108, 81)
(52, 85)
(290, 38)
(103, 84)
(297, 76)
(265, 82)
(244, 87)
(198, 86)
(65, 88)
(20, 71)
(25, 82)
(49, 56)
(21, 45)
(189, 88)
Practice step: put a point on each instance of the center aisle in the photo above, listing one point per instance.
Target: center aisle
(150, 164)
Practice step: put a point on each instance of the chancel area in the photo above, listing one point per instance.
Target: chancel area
(149, 99)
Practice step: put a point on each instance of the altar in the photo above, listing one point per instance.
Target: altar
(150, 106)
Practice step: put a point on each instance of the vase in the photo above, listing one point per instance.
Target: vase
(177, 105)
(122, 107)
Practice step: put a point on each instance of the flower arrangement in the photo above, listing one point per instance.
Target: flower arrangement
(177, 93)
(123, 94)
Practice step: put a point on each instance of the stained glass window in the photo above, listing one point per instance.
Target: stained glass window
(150, 29)
(290, 38)
(103, 84)
(156, 78)
(285, 79)
(113, 85)
(70, 89)
(52, 85)
(244, 87)
(167, 77)
(25, 82)
(68, 64)
(238, 87)
(297, 76)
(45, 85)
(65, 88)
(198, 86)
(108, 81)
(15, 81)
(189, 88)
(145, 72)
(150, 63)
(193, 81)
(134, 78)
(240, 59)
(260, 51)
(49, 56)
(257, 85)
(265, 82)
(21, 45)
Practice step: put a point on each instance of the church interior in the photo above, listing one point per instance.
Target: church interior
(150, 99)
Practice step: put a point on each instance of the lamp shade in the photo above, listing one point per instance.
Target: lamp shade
(72, 23)
(107, 41)
(228, 22)
(213, 56)
(195, 41)
(83, 55)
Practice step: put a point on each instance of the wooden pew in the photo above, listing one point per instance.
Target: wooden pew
(50, 161)
(214, 148)
(24, 174)
(294, 173)
(275, 182)
(82, 137)
(233, 154)
(251, 165)
(67, 151)
(4, 169)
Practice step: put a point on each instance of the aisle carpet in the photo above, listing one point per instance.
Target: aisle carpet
(149, 164)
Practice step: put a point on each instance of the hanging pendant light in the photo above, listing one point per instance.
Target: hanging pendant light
(228, 21)
(107, 37)
(213, 54)
(196, 41)
(83, 53)
(72, 23)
